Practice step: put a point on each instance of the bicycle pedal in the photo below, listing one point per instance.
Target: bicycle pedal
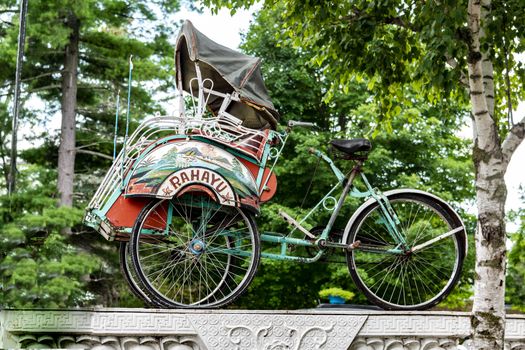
(294, 223)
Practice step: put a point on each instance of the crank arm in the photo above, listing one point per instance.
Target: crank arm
(436, 239)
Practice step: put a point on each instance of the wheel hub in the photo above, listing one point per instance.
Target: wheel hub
(197, 246)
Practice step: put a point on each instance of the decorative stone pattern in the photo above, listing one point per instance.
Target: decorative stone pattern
(515, 328)
(331, 329)
(90, 322)
(401, 343)
(107, 343)
(272, 331)
(439, 324)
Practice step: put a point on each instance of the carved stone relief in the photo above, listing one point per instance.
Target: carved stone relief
(108, 342)
(401, 343)
(277, 331)
(146, 329)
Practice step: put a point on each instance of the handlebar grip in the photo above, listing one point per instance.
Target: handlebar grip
(293, 123)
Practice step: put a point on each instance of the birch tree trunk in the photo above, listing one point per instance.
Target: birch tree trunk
(491, 158)
(66, 150)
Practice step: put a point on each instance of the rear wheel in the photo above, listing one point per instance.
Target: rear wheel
(193, 252)
(131, 278)
(413, 279)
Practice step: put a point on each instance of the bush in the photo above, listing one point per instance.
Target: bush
(336, 292)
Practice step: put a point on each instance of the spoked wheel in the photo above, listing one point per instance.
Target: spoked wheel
(131, 278)
(193, 252)
(415, 277)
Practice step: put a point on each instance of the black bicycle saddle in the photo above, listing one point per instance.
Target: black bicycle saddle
(352, 146)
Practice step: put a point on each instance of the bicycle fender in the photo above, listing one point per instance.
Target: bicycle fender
(172, 169)
(387, 194)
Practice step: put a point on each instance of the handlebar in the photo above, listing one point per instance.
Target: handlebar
(294, 123)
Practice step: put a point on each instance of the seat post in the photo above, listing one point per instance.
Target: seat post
(356, 169)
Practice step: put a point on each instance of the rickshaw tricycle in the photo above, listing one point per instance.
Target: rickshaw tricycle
(182, 195)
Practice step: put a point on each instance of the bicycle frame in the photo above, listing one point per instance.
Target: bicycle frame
(346, 181)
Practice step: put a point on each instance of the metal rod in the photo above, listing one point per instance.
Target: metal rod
(124, 155)
(320, 202)
(116, 127)
(338, 173)
(283, 143)
(200, 99)
(391, 219)
(341, 200)
(437, 239)
(265, 237)
(16, 109)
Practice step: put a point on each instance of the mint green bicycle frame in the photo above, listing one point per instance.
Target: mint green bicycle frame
(346, 181)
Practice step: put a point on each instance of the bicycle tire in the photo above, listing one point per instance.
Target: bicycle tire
(411, 291)
(131, 278)
(220, 287)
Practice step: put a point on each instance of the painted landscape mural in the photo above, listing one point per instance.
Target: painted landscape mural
(156, 168)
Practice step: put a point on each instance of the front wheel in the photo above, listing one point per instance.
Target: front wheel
(193, 252)
(415, 276)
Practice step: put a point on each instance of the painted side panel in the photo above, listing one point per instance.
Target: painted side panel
(268, 191)
(199, 180)
(170, 168)
(125, 210)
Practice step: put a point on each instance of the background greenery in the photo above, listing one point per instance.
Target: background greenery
(39, 267)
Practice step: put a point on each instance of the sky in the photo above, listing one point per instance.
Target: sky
(222, 28)
(225, 29)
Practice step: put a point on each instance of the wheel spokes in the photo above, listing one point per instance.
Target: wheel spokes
(412, 277)
(202, 257)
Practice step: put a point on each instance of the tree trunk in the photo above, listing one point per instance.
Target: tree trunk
(488, 311)
(66, 150)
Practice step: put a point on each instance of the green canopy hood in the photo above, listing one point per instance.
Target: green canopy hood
(230, 71)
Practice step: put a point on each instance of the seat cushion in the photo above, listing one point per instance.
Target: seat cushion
(352, 146)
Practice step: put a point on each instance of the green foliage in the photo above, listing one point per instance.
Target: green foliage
(283, 285)
(79, 269)
(110, 31)
(515, 284)
(336, 292)
(393, 44)
(338, 77)
(39, 267)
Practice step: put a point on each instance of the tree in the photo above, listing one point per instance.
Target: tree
(425, 155)
(445, 50)
(90, 42)
(38, 267)
(77, 60)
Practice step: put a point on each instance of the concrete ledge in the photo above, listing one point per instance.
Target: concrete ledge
(331, 329)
